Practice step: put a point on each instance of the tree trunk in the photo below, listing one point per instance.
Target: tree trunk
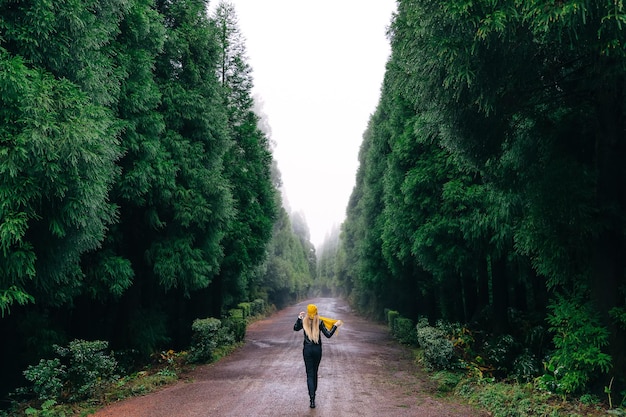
(470, 297)
(608, 250)
(483, 285)
(500, 294)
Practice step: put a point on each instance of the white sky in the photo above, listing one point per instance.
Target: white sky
(317, 67)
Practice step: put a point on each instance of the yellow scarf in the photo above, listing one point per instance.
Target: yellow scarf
(328, 323)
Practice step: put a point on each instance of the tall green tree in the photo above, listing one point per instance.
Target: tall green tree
(59, 153)
(145, 164)
(286, 275)
(190, 212)
(60, 141)
(300, 228)
(520, 102)
(327, 268)
(247, 164)
(60, 144)
(369, 273)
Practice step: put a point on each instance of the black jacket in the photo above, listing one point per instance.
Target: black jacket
(328, 333)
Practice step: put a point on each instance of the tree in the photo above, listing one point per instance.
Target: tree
(286, 274)
(247, 164)
(57, 165)
(301, 229)
(327, 264)
(59, 151)
(362, 230)
(496, 141)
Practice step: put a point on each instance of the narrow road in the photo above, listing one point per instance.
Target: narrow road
(363, 373)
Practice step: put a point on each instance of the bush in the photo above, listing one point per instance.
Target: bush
(573, 363)
(49, 408)
(47, 378)
(525, 367)
(90, 368)
(404, 331)
(392, 315)
(447, 381)
(236, 313)
(500, 351)
(236, 327)
(205, 339)
(211, 334)
(257, 307)
(438, 350)
(246, 308)
(86, 372)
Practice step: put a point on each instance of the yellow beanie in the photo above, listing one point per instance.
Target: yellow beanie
(311, 310)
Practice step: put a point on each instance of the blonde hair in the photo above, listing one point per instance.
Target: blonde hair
(311, 328)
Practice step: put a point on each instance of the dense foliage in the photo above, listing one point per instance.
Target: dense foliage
(491, 184)
(137, 189)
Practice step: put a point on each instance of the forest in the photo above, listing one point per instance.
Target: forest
(491, 191)
(138, 190)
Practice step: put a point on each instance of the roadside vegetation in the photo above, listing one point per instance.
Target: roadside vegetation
(86, 375)
(487, 372)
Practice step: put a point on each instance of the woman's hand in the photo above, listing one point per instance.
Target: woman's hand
(339, 323)
(301, 315)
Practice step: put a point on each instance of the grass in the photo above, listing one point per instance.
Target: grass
(511, 399)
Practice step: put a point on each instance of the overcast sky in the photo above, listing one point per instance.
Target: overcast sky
(317, 67)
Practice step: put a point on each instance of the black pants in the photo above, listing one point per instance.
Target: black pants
(312, 356)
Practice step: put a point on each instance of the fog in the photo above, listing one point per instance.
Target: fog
(318, 68)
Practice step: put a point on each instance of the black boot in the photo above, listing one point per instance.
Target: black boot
(312, 402)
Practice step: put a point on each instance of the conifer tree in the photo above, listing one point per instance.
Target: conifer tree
(501, 164)
(247, 164)
(61, 140)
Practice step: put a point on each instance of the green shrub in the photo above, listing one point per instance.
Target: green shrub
(405, 331)
(392, 315)
(90, 368)
(236, 329)
(578, 338)
(205, 339)
(48, 409)
(246, 308)
(438, 350)
(82, 370)
(210, 335)
(525, 367)
(47, 378)
(499, 351)
(225, 335)
(257, 307)
(236, 313)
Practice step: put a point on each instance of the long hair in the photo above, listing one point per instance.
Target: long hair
(312, 327)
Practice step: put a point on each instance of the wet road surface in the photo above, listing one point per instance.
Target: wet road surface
(363, 373)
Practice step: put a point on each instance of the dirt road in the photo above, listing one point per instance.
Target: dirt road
(363, 373)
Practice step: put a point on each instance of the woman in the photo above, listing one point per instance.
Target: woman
(313, 324)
